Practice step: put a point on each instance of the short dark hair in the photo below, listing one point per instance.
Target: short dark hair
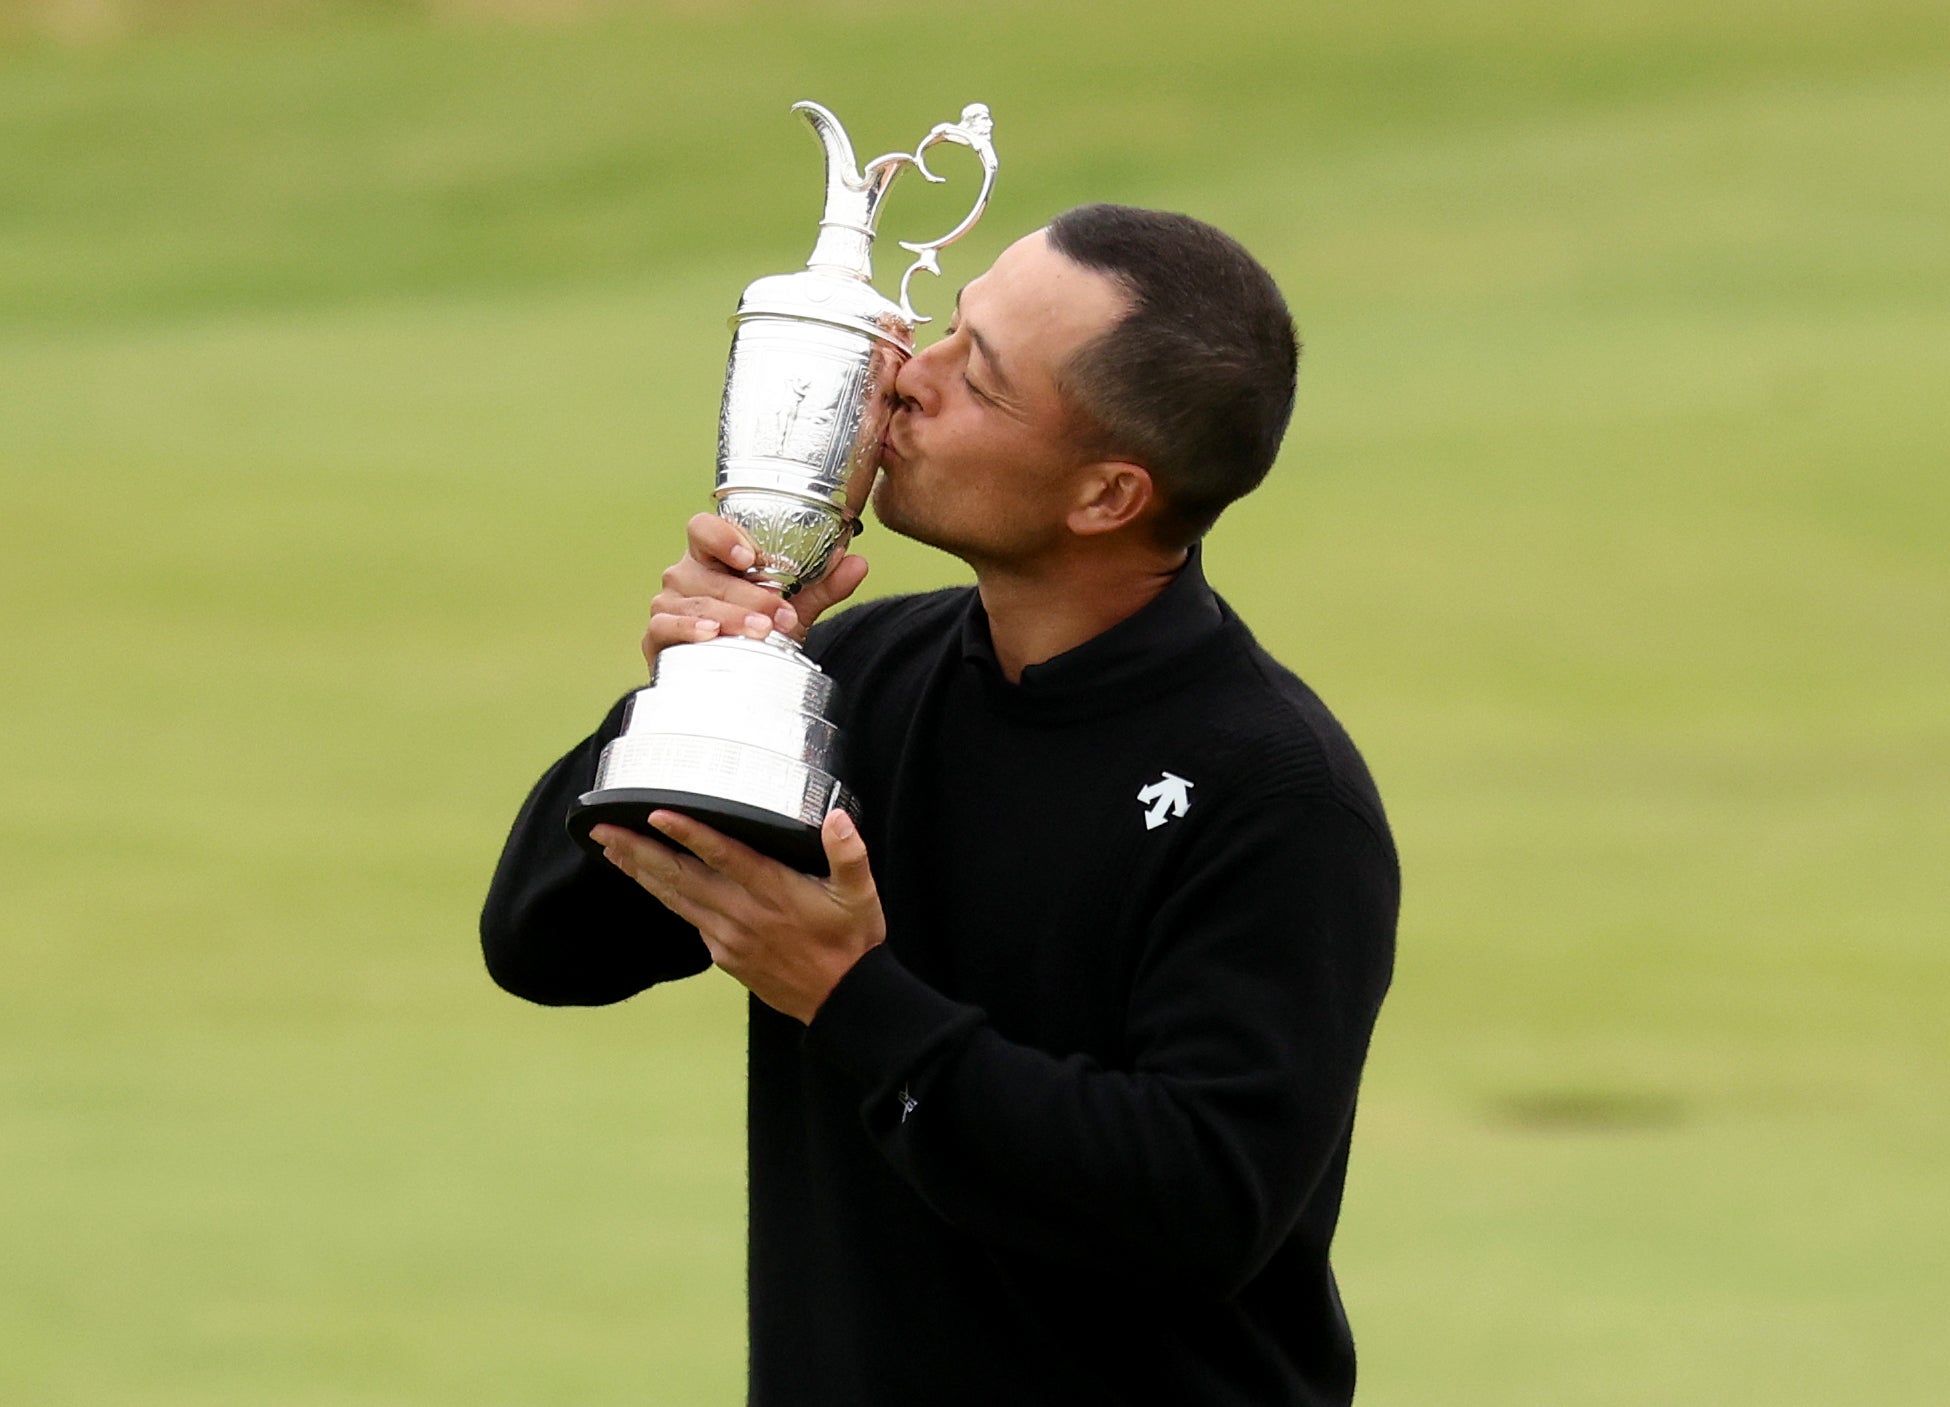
(1196, 382)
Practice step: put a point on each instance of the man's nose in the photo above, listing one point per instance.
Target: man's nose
(916, 384)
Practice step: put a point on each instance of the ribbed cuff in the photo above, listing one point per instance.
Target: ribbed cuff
(882, 1023)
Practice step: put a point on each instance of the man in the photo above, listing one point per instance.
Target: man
(1052, 1079)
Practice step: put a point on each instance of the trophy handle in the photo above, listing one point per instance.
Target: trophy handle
(973, 132)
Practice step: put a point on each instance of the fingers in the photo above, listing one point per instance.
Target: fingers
(714, 542)
(678, 882)
(707, 594)
(738, 863)
(846, 857)
(839, 583)
(713, 569)
(677, 619)
(788, 937)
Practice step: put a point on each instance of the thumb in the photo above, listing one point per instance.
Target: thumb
(846, 857)
(838, 584)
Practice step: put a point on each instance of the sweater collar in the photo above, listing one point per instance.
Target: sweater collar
(1184, 614)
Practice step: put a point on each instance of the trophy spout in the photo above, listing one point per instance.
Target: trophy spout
(854, 193)
(846, 225)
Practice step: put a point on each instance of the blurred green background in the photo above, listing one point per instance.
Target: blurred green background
(359, 363)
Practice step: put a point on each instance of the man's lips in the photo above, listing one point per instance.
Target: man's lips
(889, 451)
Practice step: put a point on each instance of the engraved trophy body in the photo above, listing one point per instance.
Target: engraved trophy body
(739, 732)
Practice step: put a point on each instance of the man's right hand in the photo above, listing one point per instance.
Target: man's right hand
(707, 594)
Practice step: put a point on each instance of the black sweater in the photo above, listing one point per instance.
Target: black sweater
(1076, 1134)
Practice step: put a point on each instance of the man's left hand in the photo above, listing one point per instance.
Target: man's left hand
(789, 937)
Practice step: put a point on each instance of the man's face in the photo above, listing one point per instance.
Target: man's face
(981, 459)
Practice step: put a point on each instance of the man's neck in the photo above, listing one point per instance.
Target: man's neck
(1038, 611)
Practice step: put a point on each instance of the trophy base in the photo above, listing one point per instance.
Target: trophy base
(791, 842)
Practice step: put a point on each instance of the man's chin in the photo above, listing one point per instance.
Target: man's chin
(893, 522)
(887, 512)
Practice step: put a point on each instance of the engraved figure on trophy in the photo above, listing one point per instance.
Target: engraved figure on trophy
(734, 731)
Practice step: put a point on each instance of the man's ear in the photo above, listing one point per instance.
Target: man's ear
(1113, 493)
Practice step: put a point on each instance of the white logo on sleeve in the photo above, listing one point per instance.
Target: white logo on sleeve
(1167, 797)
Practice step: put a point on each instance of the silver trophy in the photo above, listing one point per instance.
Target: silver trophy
(734, 731)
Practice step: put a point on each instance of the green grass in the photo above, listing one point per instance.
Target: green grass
(359, 363)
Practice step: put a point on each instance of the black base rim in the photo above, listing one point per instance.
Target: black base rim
(786, 840)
